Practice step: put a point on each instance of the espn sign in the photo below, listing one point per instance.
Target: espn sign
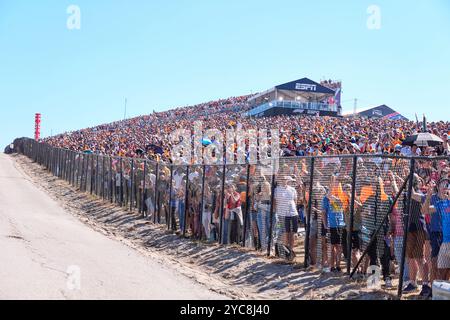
(305, 87)
(378, 113)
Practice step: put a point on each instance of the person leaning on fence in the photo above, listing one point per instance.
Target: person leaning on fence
(396, 223)
(437, 204)
(286, 216)
(263, 209)
(253, 213)
(356, 230)
(301, 201)
(118, 186)
(417, 237)
(206, 223)
(317, 227)
(375, 206)
(232, 216)
(334, 222)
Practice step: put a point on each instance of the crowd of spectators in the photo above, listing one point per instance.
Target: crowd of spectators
(427, 247)
(148, 136)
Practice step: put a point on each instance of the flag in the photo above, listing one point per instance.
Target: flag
(338, 192)
(366, 193)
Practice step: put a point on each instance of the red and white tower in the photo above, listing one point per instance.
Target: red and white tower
(37, 126)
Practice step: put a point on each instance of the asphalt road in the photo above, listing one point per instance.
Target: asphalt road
(46, 253)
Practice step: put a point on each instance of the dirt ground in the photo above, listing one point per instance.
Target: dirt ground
(233, 271)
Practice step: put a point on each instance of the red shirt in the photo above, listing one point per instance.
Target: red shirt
(231, 204)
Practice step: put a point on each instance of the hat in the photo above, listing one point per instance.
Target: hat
(288, 178)
(398, 147)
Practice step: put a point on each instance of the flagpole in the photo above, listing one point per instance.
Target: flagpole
(424, 123)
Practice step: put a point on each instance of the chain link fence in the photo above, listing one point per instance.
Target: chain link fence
(373, 217)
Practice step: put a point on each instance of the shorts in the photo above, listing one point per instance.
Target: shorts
(336, 236)
(444, 256)
(356, 243)
(323, 232)
(436, 242)
(290, 223)
(414, 245)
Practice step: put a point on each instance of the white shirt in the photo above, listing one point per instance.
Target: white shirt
(285, 201)
(406, 151)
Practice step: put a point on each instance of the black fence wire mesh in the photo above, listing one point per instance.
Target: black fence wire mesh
(361, 214)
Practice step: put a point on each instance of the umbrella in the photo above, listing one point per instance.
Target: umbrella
(423, 140)
(206, 142)
(156, 149)
(139, 151)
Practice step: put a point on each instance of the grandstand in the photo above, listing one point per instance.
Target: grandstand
(302, 96)
(284, 107)
(380, 112)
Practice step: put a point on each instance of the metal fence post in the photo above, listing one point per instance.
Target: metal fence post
(71, 166)
(92, 174)
(352, 215)
(75, 169)
(247, 204)
(143, 190)
(60, 163)
(202, 203)
(87, 172)
(132, 184)
(308, 214)
(406, 226)
(111, 183)
(55, 172)
(121, 182)
(57, 162)
(155, 198)
(65, 165)
(69, 162)
(82, 172)
(186, 199)
(103, 178)
(222, 204)
(66, 174)
(97, 177)
(272, 200)
(169, 222)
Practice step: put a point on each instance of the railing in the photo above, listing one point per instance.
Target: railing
(313, 106)
(331, 212)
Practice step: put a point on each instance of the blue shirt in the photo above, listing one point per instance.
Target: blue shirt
(444, 206)
(444, 216)
(436, 221)
(335, 218)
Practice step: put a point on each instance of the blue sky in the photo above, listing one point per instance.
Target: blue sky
(163, 54)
